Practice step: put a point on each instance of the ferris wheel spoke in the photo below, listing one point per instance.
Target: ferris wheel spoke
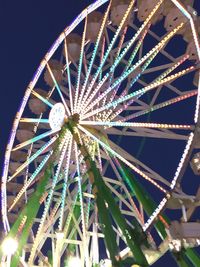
(114, 163)
(63, 148)
(121, 41)
(37, 138)
(114, 153)
(138, 92)
(157, 48)
(58, 89)
(68, 74)
(164, 104)
(123, 186)
(99, 157)
(81, 200)
(130, 43)
(145, 24)
(120, 197)
(136, 49)
(101, 56)
(44, 100)
(80, 67)
(138, 125)
(30, 181)
(147, 170)
(39, 120)
(148, 133)
(32, 158)
(65, 185)
(74, 218)
(118, 81)
(163, 75)
(70, 215)
(50, 220)
(133, 55)
(125, 17)
(94, 54)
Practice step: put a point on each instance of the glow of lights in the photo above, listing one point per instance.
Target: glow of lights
(9, 246)
(138, 124)
(134, 168)
(161, 105)
(63, 148)
(28, 183)
(80, 66)
(74, 261)
(42, 98)
(34, 120)
(136, 93)
(32, 158)
(68, 74)
(128, 72)
(37, 138)
(108, 51)
(155, 214)
(65, 185)
(58, 89)
(57, 116)
(94, 54)
(185, 153)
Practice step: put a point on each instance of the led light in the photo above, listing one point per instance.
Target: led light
(9, 246)
(74, 261)
(59, 235)
(57, 116)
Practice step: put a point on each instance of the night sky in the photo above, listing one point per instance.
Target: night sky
(28, 29)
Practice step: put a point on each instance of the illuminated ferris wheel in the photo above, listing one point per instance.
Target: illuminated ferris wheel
(76, 189)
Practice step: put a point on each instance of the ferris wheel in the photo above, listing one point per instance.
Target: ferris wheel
(76, 189)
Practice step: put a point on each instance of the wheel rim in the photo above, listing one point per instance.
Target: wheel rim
(88, 102)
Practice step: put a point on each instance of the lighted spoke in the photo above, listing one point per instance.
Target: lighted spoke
(138, 92)
(58, 89)
(139, 125)
(65, 185)
(161, 105)
(158, 47)
(68, 75)
(32, 158)
(159, 78)
(108, 51)
(44, 100)
(81, 197)
(134, 168)
(30, 181)
(134, 207)
(94, 53)
(34, 120)
(63, 147)
(80, 67)
(35, 139)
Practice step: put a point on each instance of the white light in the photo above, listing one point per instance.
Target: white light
(9, 246)
(59, 235)
(57, 116)
(74, 262)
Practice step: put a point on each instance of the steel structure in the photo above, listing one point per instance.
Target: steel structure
(73, 190)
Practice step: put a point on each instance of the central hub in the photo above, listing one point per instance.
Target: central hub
(58, 118)
(71, 122)
(75, 118)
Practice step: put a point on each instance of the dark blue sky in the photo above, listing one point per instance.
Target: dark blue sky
(28, 29)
